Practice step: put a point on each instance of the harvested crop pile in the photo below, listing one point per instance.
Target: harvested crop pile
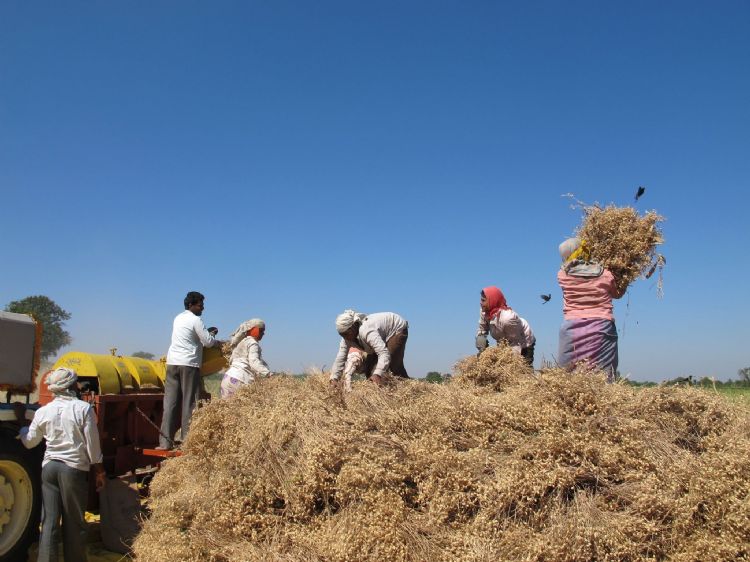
(557, 467)
(497, 369)
(226, 351)
(623, 241)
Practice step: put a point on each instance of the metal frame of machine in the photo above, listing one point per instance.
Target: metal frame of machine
(127, 394)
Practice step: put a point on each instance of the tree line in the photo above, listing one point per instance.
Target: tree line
(54, 337)
(52, 317)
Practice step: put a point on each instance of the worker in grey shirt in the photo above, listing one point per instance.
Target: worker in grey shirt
(182, 384)
(68, 426)
(381, 335)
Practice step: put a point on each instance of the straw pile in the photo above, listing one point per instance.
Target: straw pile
(554, 467)
(496, 368)
(226, 351)
(623, 241)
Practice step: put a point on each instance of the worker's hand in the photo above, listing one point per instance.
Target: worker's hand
(213, 330)
(377, 379)
(19, 409)
(101, 479)
(334, 382)
(481, 342)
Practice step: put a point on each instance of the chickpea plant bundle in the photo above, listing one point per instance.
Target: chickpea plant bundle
(515, 466)
(623, 241)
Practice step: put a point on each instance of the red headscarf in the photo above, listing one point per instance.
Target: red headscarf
(495, 301)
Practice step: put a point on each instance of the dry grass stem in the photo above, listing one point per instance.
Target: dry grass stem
(623, 241)
(498, 464)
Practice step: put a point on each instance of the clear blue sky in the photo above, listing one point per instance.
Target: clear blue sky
(292, 159)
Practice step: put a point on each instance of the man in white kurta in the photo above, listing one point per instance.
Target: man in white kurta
(182, 384)
(68, 426)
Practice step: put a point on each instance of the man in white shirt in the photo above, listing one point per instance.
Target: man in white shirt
(68, 426)
(182, 385)
(381, 335)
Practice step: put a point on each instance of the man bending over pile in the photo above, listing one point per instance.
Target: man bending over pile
(381, 335)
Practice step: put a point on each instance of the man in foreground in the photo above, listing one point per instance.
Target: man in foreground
(72, 450)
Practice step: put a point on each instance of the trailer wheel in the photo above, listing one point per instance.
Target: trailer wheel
(20, 498)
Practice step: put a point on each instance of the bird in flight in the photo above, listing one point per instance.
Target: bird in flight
(640, 192)
(546, 298)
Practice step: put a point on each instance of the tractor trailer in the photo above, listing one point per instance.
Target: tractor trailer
(127, 394)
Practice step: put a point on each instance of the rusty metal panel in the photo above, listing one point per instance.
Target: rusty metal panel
(18, 345)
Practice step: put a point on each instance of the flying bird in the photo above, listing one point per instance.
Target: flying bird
(546, 298)
(640, 192)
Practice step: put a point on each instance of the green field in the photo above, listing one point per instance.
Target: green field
(740, 393)
(212, 384)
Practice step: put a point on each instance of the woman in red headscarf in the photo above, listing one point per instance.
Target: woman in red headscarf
(503, 324)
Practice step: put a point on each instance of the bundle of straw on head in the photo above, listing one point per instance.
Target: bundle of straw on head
(623, 241)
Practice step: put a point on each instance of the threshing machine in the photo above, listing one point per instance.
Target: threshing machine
(127, 394)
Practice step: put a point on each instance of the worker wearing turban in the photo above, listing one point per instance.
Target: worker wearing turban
(62, 381)
(73, 449)
(382, 336)
(347, 319)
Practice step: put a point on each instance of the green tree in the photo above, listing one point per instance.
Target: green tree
(706, 382)
(144, 355)
(51, 316)
(744, 375)
(677, 381)
(434, 377)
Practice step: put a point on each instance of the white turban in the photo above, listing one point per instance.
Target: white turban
(61, 380)
(240, 333)
(346, 320)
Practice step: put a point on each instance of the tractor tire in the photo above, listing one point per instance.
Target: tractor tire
(20, 498)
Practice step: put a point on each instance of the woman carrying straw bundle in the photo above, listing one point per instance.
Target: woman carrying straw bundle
(502, 322)
(588, 332)
(246, 362)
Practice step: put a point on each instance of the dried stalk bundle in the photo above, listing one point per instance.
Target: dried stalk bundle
(623, 241)
(500, 368)
(226, 351)
(561, 466)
